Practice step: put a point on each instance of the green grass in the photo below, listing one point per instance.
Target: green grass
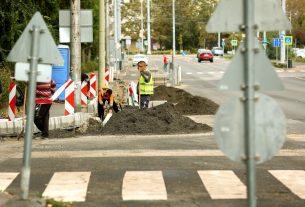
(58, 203)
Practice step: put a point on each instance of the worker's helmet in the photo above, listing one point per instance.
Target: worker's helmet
(102, 87)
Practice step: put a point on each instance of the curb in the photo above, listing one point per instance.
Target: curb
(13, 128)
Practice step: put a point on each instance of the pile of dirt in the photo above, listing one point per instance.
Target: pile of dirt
(163, 119)
(185, 103)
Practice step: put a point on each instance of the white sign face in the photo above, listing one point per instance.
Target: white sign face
(128, 41)
(22, 72)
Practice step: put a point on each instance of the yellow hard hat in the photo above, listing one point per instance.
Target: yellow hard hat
(103, 87)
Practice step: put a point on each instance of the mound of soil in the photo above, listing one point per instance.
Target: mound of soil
(185, 103)
(163, 119)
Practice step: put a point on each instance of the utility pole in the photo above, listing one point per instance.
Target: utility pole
(148, 28)
(174, 43)
(76, 51)
(107, 33)
(102, 48)
(283, 52)
(142, 30)
(115, 4)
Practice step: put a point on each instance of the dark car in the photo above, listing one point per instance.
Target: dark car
(205, 55)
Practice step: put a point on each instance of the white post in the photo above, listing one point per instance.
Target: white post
(174, 43)
(218, 39)
(148, 28)
(142, 30)
(283, 52)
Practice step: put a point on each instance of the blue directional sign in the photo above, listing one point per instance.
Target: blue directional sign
(183, 53)
(288, 40)
(276, 42)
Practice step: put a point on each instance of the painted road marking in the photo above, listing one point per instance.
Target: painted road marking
(6, 179)
(188, 73)
(68, 186)
(144, 185)
(223, 184)
(148, 153)
(292, 179)
(300, 78)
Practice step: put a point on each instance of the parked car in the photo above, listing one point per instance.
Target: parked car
(205, 55)
(139, 57)
(217, 51)
(300, 53)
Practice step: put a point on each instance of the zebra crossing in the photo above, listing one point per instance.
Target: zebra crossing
(151, 185)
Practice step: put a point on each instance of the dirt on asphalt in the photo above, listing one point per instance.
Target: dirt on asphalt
(185, 103)
(162, 119)
(167, 118)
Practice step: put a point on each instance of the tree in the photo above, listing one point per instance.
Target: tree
(297, 10)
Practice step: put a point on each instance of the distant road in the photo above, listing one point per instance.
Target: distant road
(202, 78)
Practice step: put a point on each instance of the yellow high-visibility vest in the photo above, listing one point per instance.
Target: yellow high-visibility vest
(146, 88)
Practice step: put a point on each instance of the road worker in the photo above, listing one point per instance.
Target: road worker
(145, 85)
(106, 101)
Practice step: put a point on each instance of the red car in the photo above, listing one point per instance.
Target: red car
(205, 55)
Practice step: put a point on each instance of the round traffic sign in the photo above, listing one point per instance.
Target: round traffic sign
(269, 124)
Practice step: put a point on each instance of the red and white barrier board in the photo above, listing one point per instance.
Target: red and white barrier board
(106, 76)
(92, 90)
(12, 102)
(69, 97)
(84, 92)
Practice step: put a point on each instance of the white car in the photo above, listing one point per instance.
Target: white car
(217, 51)
(300, 53)
(139, 57)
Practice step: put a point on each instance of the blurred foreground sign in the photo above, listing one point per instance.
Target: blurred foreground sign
(48, 51)
(228, 16)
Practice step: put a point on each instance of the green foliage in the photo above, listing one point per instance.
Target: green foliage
(191, 19)
(5, 80)
(16, 14)
(58, 203)
(89, 66)
(299, 59)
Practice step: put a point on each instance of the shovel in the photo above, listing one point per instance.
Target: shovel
(108, 116)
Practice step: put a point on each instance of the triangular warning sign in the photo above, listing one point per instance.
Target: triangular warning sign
(48, 51)
(228, 16)
(264, 74)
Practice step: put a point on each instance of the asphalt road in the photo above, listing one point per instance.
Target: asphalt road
(202, 79)
(179, 158)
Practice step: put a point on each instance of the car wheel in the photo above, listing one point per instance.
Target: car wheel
(199, 61)
(211, 60)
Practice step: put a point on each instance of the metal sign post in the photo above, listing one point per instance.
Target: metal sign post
(264, 130)
(249, 100)
(28, 48)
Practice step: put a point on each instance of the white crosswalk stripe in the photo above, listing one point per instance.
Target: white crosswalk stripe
(6, 179)
(68, 186)
(223, 184)
(297, 186)
(144, 185)
(150, 185)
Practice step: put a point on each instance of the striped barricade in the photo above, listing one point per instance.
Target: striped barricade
(12, 102)
(92, 90)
